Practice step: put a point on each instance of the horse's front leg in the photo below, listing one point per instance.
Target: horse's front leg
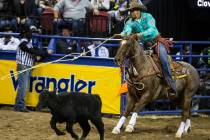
(129, 107)
(139, 105)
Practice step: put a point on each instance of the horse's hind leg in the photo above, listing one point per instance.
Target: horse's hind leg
(129, 107)
(185, 124)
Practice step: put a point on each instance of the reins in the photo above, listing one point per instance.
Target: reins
(139, 85)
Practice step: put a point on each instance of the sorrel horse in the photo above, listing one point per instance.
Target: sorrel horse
(144, 85)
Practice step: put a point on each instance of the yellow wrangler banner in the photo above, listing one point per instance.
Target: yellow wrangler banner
(101, 80)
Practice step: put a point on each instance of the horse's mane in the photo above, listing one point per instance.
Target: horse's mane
(134, 43)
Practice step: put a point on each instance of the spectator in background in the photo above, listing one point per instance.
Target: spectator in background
(25, 57)
(44, 5)
(63, 45)
(116, 16)
(82, 47)
(119, 14)
(7, 13)
(100, 5)
(72, 11)
(26, 10)
(206, 60)
(36, 42)
(8, 42)
(99, 51)
(115, 12)
(185, 51)
(54, 2)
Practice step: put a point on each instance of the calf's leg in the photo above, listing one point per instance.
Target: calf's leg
(69, 128)
(97, 121)
(85, 127)
(53, 126)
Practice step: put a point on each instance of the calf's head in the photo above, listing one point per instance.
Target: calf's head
(44, 98)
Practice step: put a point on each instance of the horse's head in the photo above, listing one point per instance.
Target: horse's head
(126, 50)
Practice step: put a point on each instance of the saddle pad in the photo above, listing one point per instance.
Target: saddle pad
(177, 69)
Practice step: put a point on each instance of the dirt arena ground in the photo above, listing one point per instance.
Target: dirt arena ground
(35, 126)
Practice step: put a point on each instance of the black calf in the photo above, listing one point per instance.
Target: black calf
(72, 108)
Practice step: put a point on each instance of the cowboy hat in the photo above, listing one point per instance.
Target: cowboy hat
(137, 6)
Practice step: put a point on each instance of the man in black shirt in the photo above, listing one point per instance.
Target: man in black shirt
(25, 58)
(63, 45)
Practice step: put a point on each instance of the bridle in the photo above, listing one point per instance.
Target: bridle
(136, 85)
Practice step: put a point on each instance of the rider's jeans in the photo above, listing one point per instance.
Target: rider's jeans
(166, 67)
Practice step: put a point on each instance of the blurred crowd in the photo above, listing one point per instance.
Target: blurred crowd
(92, 18)
(69, 18)
(49, 14)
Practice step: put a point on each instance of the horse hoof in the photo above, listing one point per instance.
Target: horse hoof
(178, 135)
(129, 129)
(187, 131)
(116, 131)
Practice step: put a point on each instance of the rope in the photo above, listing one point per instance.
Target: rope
(58, 60)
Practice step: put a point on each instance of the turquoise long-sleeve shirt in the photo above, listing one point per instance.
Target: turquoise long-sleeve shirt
(144, 25)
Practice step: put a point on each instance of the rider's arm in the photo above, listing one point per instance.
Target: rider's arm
(151, 32)
(127, 29)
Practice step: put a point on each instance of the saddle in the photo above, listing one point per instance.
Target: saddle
(177, 69)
